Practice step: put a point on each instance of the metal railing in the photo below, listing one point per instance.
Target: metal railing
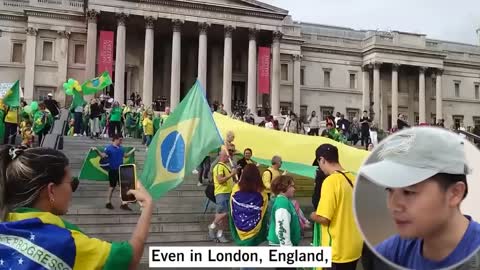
(20, 5)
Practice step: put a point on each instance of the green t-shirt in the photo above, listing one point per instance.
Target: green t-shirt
(284, 229)
(116, 114)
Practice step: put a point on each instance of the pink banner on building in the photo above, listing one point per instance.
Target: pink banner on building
(264, 70)
(105, 52)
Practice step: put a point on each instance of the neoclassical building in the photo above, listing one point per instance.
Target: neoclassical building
(242, 51)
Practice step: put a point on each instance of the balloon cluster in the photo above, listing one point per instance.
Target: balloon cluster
(72, 85)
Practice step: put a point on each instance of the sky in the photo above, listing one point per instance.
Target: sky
(451, 20)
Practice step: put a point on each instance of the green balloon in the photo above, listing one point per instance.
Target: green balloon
(27, 109)
(34, 106)
(69, 92)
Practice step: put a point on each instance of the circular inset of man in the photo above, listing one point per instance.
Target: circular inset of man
(417, 201)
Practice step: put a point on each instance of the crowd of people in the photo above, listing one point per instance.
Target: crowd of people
(247, 197)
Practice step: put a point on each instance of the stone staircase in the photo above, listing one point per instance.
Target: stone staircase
(178, 219)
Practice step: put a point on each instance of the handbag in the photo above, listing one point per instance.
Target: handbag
(210, 192)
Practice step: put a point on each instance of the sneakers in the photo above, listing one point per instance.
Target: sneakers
(199, 184)
(211, 232)
(125, 207)
(222, 239)
(195, 172)
(109, 206)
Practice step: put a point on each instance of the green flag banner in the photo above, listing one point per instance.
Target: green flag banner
(91, 169)
(12, 96)
(186, 137)
(94, 85)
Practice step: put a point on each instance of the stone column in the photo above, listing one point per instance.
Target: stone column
(176, 63)
(30, 63)
(421, 96)
(395, 68)
(376, 92)
(119, 91)
(148, 61)
(366, 88)
(91, 56)
(202, 54)
(252, 71)
(275, 93)
(62, 65)
(227, 70)
(297, 65)
(438, 99)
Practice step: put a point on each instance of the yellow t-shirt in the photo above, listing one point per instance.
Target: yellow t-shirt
(221, 169)
(148, 126)
(336, 204)
(268, 177)
(12, 116)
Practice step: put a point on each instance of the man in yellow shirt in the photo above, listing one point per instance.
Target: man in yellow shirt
(11, 126)
(335, 211)
(271, 173)
(223, 182)
(148, 129)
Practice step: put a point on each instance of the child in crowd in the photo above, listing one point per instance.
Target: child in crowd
(71, 127)
(284, 229)
(27, 134)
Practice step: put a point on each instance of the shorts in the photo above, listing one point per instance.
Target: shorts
(113, 177)
(222, 201)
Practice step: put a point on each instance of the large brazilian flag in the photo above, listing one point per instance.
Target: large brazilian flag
(187, 136)
(297, 150)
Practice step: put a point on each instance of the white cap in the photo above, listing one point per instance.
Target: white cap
(50, 95)
(413, 155)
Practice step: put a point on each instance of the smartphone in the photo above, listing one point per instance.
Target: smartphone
(128, 176)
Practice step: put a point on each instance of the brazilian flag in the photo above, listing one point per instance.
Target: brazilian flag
(92, 168)
(12, 96)
(248, 222)
(94, 85)
(187, 136)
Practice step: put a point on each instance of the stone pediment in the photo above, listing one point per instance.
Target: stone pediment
(252, 6)
(244, 4)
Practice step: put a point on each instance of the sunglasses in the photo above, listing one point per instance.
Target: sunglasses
(75, 182)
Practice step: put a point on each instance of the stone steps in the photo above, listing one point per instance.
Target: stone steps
(178, 217)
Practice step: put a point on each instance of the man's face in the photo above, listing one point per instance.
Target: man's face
(118, 142)
(418, 210)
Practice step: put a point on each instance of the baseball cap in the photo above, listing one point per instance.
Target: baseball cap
(326, 150)
(50, 95)
(413, 155)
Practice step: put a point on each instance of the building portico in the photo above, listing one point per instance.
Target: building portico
(185, 42)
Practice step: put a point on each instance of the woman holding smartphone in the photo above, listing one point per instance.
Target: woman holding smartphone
(36, 188)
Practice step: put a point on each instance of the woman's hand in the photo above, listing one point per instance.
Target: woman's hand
(141, 195)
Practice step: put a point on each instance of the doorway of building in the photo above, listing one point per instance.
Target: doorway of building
(239, 97)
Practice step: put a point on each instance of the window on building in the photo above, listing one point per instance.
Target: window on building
(47, 51)
(41, 93)
(353, 81)
(476, 121)
(237, 64)
(79, 54)
(417, 119)
(457, 89)
(352, 113)
(477, 91)
(302, 76)
(326, 111)
(284, 71)
(285, 107)
(17, 53)
(457, 121)
(326, 78)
